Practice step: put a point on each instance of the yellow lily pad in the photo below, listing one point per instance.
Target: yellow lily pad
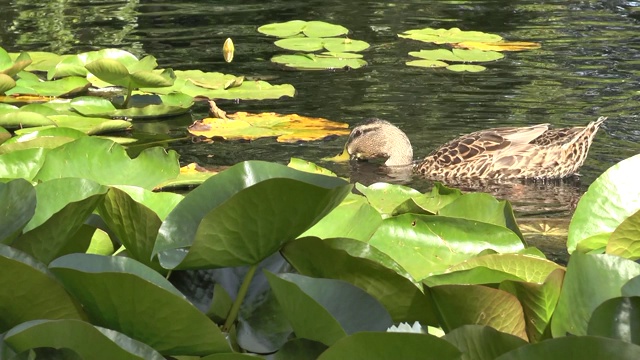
(286, 127)
(499, 46)
(342, 157)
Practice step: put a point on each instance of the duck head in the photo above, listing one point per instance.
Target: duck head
(377, 138)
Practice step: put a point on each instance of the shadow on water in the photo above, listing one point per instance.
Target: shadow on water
(588, 66)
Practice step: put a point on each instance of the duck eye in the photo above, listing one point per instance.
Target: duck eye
(357, 133)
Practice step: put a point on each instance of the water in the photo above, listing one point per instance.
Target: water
(588, 66)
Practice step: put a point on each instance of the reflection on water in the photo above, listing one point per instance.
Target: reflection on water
(588, 66)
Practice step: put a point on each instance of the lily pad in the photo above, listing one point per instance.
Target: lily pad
(625, 239)
(61, 87)
(11, 67)
(81, 337)
(499, 45)
(300, 44)
(40, 60)
(336, 45)
(71, 65)
(444, 36)
(343, 45)
(248, 90)
(190, 175)
(309, 28)
(141, 106)
(460, 55)
(6, 83)
(287, 128)
(427, 63)
(342, 55)
(466, 67)
(135, 75)
(317, 62)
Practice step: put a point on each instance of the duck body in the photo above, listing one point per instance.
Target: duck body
(502, 153)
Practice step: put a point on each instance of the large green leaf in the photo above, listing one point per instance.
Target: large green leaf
(248, 90)
(617, 318)
(326, 310)
(579, 297)
(625, 239)
(62, 207)
(429, 203)
(64, 86)
(354, 209)
(22, 163)
(147, 307)
(17, 206)
(11, 67)
(575, 347)
(86, 340)
(479, 305)
(317, 62)
(107, 162)
(502, 267)
(538, 302)
(365, 267)
(391, 346)
(309, 28)
(453, 35)
(140, 106)
(212, 219)
(483, 207)
(386, 197)
(31, 292)
(75, 64)
(300, 349)
(135, 75)
(613, 197)
(427, 245)
(482, 342)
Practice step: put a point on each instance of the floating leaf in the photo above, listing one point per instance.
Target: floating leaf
(301, 44)
(10, 66)
(310, 29)
(65, 86)
(458, 55)
(342, 45)
(499, 46)
(453, 35)
(6, 83)
(342, 55)
(427, 63)
(465, 67)
(308, 166)
(141, 106)
(135, 75)
(288, 128)
(190, 175)
(315, 62)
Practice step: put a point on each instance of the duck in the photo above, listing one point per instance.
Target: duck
(528, 152)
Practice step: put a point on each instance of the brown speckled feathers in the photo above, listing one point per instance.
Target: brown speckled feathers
(515, 152)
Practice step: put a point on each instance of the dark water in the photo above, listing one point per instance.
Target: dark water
(589, 65)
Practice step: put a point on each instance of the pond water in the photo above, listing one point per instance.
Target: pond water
(589, 65)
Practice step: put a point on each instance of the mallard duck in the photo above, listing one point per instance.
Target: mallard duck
(502, 153)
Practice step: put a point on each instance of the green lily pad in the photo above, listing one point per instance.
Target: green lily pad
(81, 337)
(58, 215)
(365, 267)
(309, 28)
(107, 163)
(40, 60)
(308, 166)
(578, 299)
(141, 106)
(580, 347)
(625, 238)
(344, 45)
(429, 203)
(135, 75)
(46, 142)
(6, 83)
(391, 346)
(613, 197)
(56, 88)
(458, 55)
(210, 222)
(19, 203)
(5, 135)
(460, 305)
(444, 36)
(300, 349)
(617, 318)
(342, 55)
(22, 163)
(354, 209)
(144, 308)
(386, 197)
(26, 276)
(427, 63)
(538, 301)
(301, 44)
(315, 62)
(11, 67)
(327, 310)
(483, 342)
(210, 80)
(427, 245)
(74, 65)
(466, 67)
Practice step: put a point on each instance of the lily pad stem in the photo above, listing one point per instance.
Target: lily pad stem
(127, 98)
(235, 308)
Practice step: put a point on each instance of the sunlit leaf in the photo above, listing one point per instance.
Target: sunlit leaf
(64, 86)
(465, 67)
(6, 83)
(453, 35)
(284, 29)
(308, 166)
(625, 239)
(499, 45)
(315, 62)
(427, 63)
(287, 128)
(301, 44)
(342, 45)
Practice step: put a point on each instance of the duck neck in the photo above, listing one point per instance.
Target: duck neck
(400, 154)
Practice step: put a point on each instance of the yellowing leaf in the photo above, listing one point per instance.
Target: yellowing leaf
(499, 46)
(286, 127)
